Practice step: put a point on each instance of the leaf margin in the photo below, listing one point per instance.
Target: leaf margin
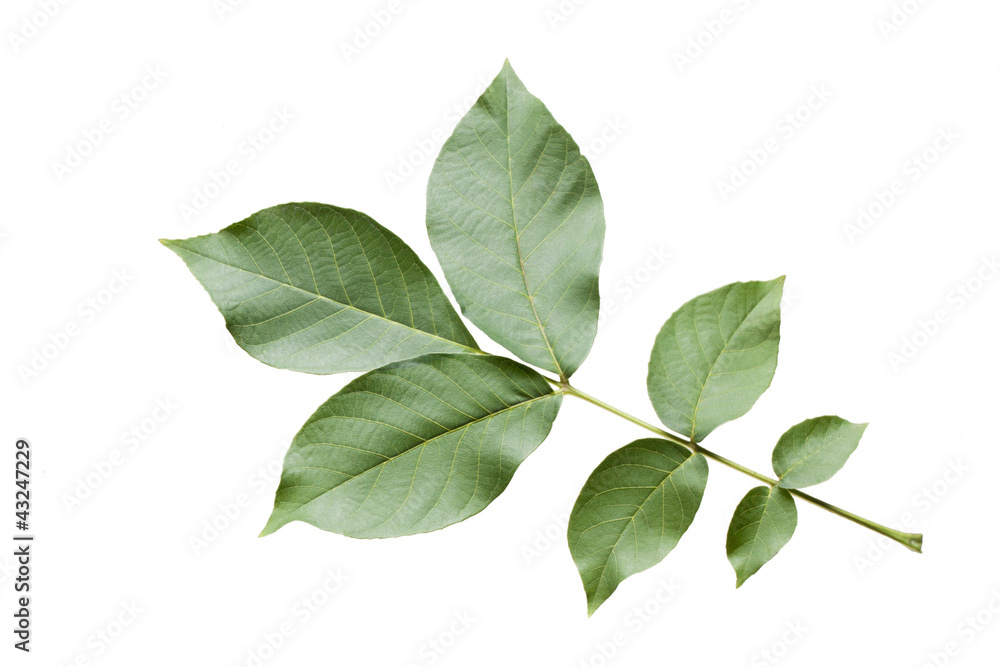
(745, 567)
(461, 340)
(549, 396)
(564, 367)
(853, 434)
(691, 461)
(656, 388)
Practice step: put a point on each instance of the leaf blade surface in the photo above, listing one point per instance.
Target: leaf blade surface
(414, 446)
(515, 216)
(322, 289)
(814, 451)
(715, 356)
(632, 512)
(762, 524)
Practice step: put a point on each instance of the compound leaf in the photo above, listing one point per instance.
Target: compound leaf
(715, 356)
(813, 451)
(322, 289)
(517, 221)
(763, 523)
(414, 446)
(632, 512)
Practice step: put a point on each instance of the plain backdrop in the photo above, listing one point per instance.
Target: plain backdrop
(151, 430)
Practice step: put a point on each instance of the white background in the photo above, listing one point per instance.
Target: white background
(676, 131)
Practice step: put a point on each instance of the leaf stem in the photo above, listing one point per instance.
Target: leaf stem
(911, 541)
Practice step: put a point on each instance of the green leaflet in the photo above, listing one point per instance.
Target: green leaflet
(517, 221)
(415, 446)
(813, 451)
(322, 289)
(715, 356)
(632, 512)
(762, 524)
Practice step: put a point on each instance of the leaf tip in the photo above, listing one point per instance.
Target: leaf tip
(507, 72)
(594, 601)
(270, 528)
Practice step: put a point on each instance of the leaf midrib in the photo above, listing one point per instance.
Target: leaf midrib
(701, 394)
(421, 444)
(756, 527)
(323, 297)
(517, 237)
(802, 457)
(631, 519)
